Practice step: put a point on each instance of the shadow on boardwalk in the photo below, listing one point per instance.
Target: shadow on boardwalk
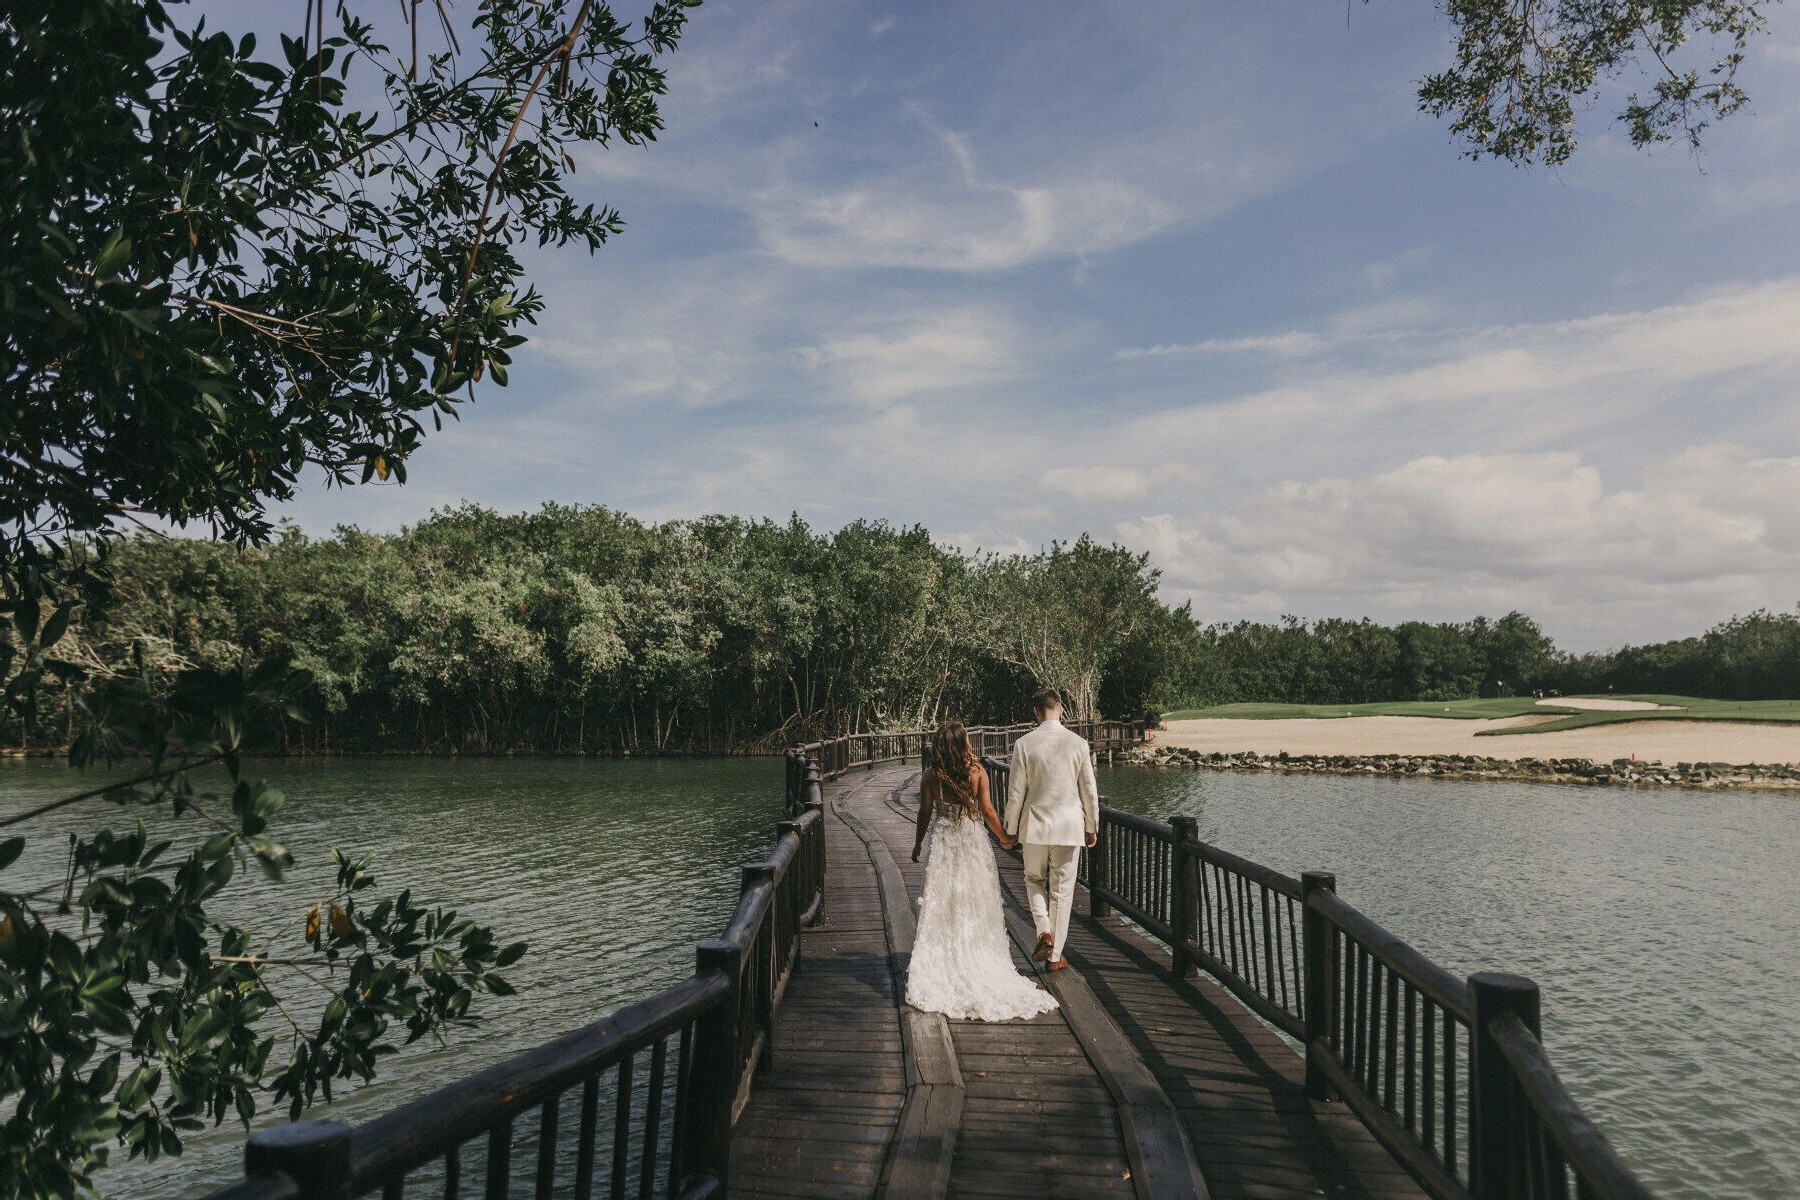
(1040, 1117)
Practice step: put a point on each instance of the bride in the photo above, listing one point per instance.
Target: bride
(961, 964)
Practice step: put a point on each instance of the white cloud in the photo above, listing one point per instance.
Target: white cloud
(973, 158)
(979, 226)
(1381, 274)
(1112, 484)
(943, 211)
(1707, 532)
(1519, 385)
(926, 353)
(1284, 345)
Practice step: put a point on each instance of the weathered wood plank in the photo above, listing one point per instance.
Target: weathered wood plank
(1236, 1084)
(818, 1126)
(1037, 1118)
(924, 1145)
(1037, 1059)
(1156, 1142)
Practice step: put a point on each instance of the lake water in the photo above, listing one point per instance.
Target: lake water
(1658, 923)
(611, 870)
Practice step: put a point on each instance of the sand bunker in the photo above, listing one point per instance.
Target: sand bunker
(1669, 741)
(1602, 704)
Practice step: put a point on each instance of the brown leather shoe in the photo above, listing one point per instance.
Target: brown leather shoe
(1058, 964)
(1045, 948)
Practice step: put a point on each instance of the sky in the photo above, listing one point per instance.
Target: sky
(1194, 277)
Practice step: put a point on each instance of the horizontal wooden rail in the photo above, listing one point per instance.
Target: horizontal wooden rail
(1443, 988)
(1562, 1146)
(1449, 1074)
(654, 1087)
(416, 1133)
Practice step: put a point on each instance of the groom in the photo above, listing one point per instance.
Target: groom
(1053, 808)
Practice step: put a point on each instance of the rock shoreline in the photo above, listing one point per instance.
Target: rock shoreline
(1468, 766)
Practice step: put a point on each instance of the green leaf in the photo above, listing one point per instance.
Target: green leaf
(10, 850)
(25, 620)
(109, 1017)
(57, 625)
(139, 1086)
(113, 256)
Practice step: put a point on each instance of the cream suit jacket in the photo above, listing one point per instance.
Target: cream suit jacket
(1051, 797)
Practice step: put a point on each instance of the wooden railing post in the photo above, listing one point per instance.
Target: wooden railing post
(815, 801)
(1099, 872)
(799, 877)
(766, 969)
(1184, 893)
(314, 1154)
(1500, 1131)
(713, 1077)
(1321, 984)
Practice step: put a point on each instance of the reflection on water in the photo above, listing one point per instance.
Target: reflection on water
(611, 870)
(1659, 924)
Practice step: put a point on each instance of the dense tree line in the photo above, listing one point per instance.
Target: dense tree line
(1337, 661)
(1753, 657)
(583, 630)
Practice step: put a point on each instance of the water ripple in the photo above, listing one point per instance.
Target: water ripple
(611, 870)
(1657, 923)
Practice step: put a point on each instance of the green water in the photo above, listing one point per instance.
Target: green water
(1659, 923)
(611, 870)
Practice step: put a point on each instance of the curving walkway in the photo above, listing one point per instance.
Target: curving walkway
(1139, 1086)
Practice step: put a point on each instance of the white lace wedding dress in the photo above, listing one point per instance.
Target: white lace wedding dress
(961, 961)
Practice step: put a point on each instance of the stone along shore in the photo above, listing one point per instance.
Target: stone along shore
(1469, 766)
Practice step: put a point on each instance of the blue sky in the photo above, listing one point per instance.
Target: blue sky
(1194, 277)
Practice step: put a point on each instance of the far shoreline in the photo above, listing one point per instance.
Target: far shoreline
(1706, 753)
(1506, 738)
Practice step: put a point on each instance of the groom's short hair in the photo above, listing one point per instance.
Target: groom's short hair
(1046, 699)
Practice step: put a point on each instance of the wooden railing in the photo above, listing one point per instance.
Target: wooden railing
(639, 1103)
(1449, 1074)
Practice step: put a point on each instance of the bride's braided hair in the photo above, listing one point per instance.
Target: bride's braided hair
(953, 762)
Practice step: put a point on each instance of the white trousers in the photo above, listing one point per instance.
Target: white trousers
(1050, 886)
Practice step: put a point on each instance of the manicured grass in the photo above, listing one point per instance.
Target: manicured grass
(1466, 710)
(1686, 708)
(1690, 709)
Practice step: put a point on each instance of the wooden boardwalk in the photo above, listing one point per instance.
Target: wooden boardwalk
(788, 1065)
(1138, 1086)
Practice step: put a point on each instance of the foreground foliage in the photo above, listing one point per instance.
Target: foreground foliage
(223, 264)
(130, 1009)
(1524, 67)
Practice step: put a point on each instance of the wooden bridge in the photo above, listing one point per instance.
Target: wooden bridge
(1227, 1031)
